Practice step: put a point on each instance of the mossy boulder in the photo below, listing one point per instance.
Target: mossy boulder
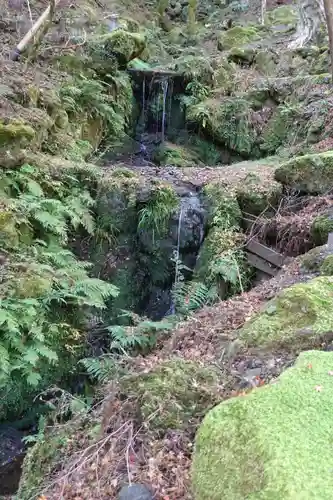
(15, 132)
(299, 316)
(312, 260)
(274, 443)
(255, 196)
(311, 173)
(266, 62)
(175, 155)
(221, 263)
(195, 68)
(176, 392)
(283, 16)
(242, 55)
(226, 122)
(237, 37)
(119, 45)
(321, 227)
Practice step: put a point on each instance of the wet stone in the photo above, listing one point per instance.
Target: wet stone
(135, 492)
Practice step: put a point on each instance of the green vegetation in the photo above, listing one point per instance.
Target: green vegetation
(46, 290)
(263, 445)
(299, 317)
(321, 227)
(228, 121)
(221, 264)
(237, 36)
(176, 392)
(311, 174)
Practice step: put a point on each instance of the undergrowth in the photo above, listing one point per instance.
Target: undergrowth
(46, 291)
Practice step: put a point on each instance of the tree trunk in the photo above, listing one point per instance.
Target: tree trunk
(328, 4)
(311, 16)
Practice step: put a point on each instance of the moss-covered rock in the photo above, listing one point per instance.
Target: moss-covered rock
(176, 392)
(221, 262)
(237, 36)
(312, 260)
(299, 316)
(266, 62)
(273, 443)
(321, 227)
(311, 174)
(119, 46)
(254, 196)
(178, 156)
(285, 15)
(195, 68)
(241, 55)
(16, 132)
(227, 122)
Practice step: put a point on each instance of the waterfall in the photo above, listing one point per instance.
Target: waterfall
(143, 104)
(164, 85)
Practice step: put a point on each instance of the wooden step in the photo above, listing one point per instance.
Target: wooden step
(261, 264)
(265, 253)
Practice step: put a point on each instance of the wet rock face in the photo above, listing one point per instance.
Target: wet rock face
(11, 457)
(135, 492)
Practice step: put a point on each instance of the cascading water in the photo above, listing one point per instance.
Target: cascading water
(164, 85)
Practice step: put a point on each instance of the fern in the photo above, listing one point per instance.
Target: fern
(141, 336)
(99, 369)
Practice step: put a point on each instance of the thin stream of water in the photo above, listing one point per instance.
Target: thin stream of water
(164, 85)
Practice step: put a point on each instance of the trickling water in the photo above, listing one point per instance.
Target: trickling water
(144, 103)
(164, 85)
(170, 103)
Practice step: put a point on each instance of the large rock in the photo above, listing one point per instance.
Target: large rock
(237, 37)
(299, 316)
(176, 392)
(275, 443)
(135, 492)
(311, 174)
(120, 45)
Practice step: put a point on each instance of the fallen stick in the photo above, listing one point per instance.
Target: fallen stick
(47, 14)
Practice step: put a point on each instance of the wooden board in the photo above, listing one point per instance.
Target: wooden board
(265, 253)
(261, 264)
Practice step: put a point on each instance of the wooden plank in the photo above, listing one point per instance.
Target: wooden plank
(266, 253)
(261, 264)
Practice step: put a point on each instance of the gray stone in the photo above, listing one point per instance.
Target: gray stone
(135, 492)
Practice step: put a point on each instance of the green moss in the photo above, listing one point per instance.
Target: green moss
(297, 317)
(237, 36)
(16, 131)
(254, 197)
(326, 268)
(227, 122)
(275, 443)
(195, 68)
(176, 392)
(280, 128)
(221, 263)
(223, 209)
(321, 227)
(284, 15)
(242, 55)
(266, 62)
(120, 45)
(173, 154)
(311, 174)
(312, 260)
